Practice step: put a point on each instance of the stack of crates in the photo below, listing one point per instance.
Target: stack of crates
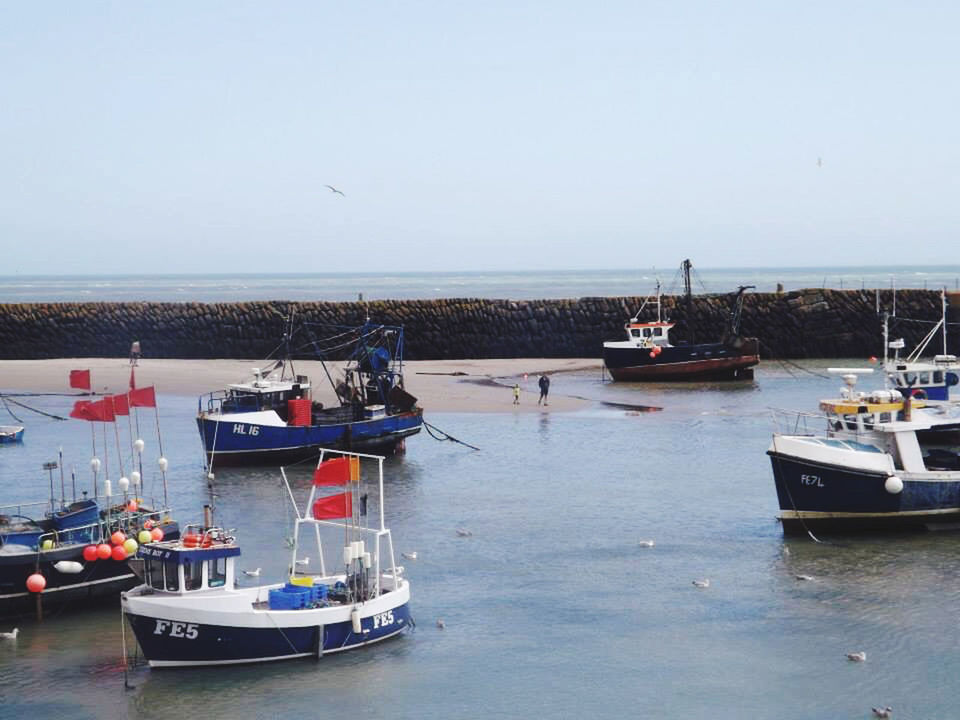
(290, 597)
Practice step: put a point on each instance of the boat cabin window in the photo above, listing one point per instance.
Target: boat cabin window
(868, 422)
(635, 333)
(938, 376)
(162, 575)
(850, 421)
(217, 572)
(646, 332)
(192, 575)
(924, 378)
(909, 378)
(885, 417)
(658, 332)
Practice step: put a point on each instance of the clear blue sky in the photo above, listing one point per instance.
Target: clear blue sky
(198, 136)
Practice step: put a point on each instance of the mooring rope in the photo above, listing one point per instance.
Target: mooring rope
(445, 436)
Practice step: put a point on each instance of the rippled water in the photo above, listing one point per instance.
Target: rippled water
(551, 607)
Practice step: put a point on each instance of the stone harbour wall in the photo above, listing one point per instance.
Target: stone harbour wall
(815, 323)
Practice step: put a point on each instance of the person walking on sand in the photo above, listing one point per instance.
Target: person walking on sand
(544, 389)
(516, 394)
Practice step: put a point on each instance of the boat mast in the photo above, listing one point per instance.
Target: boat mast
(943, 306)
(688, 292)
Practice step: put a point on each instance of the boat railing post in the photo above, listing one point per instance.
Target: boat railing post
(380, 499)
(379, 569)
(316, 532)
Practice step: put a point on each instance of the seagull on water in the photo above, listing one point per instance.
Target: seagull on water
(12, 635)
(252, 573)
(462, 532)
(409, 555)
(859, 656)
(705, 583)
(334, 190)
(646, 543)
(804, 577)
(883, 712)
(441, 624)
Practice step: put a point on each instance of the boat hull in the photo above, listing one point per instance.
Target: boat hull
(231, 441)
(714, 361)
(97, 581)
(822, 496)
(174, 643)
(10, 434)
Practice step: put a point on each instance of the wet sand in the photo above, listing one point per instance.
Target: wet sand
(440, 385)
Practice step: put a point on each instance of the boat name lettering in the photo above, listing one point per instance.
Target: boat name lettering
(239, 429)
(177, 629)
(813, 480)
(383, 619)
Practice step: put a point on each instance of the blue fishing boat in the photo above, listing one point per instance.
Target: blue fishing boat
(190, 610)
(869, 468)
(11, 434)
(273, 418)
(49, 549)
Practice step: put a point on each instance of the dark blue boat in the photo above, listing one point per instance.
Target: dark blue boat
(11, 434)
(273, 417)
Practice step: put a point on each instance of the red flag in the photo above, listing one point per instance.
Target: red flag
(333, 506)
(121, 406)
(133, 380)
(80, 379)
(81, 410)
(333, 472)
(100, 411)
(143, 397)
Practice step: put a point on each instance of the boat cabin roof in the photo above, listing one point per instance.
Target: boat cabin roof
(175, 551)
(634, 324)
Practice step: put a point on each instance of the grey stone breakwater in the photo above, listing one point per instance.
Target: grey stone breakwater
(800, 324)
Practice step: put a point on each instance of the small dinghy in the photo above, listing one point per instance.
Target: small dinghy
(190, 611)
(11, 434)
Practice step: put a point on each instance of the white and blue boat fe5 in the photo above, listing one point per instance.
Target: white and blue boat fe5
(191, 611)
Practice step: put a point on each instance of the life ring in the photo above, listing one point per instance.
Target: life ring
(194, 540)
(919, 394)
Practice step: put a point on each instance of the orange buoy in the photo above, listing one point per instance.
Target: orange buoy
(117, 538)
(148, 525)
(103, 551)
(90, 553)
(36, 583)
(157, 534)
(118, 553)
(132, 506)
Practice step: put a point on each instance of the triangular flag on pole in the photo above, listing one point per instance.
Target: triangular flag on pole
(333, 506)
(80, 379)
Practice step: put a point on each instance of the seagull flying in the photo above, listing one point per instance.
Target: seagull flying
(646, 543)
(804, 577)
(409, 555)
(860, 656)
(334, 190)
(705, 583)
(462, 532)
(304, 561)
(252, 573)
(12, 635)
(883, 712)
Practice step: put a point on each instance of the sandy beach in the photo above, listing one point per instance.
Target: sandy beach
(440, 385)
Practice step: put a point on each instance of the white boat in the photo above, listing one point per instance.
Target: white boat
(868, 469)
(191, 611)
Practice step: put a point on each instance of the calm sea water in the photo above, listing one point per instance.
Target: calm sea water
(402, 286)
(552, 609)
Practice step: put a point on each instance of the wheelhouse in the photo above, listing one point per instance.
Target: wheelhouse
(203, 559)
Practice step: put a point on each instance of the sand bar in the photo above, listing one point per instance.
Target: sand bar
(485, 386)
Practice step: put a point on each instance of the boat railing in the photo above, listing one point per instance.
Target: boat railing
(99, 531)
(20, 509)
(794, 422)
(221, 401)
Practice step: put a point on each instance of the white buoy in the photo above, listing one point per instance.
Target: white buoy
(162, 463)
(135, 478)
(357, 549)
(893, 485)
(355, 619)
(366, 560)
(68, 567)
(107, 487)
(124, 484)
(138, 445)
(95, 464)
(210, 477)
(347, 554)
